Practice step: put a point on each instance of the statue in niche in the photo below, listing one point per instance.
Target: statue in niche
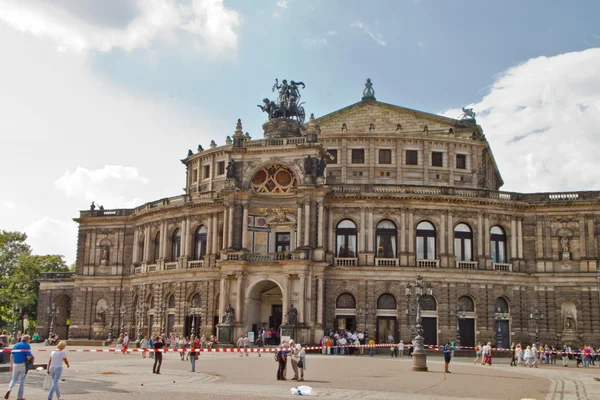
(570, 323)
(231, 170)
(321, 167)
(101, 308)
(104, 256)
(564, 242)
(229, 316)
(292, 316)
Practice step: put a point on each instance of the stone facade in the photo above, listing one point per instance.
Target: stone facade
(263, 225)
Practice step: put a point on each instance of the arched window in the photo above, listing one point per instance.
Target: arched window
(345, 300)
(463, 243)
(176, 245)
(200, 243)
(428, 303)
(386, 239)
(425, 241)
(501, 305)
(386, 302)
(151, 302)
(156, 246)
(196, 300)
(141, 252)
(346, 239)
(171, 301)
(498, 244)
(467, 303)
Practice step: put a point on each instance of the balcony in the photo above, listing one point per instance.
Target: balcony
(345, 262)
(151, 267)
(466, 264)
(386, 262)
(171, 265)
(268, 257)
(428, 263)
(504, 267)
(56, 276)
(195, 264)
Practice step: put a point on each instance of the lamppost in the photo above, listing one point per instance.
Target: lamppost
(499, 316)
(367, 319)
(536, 316)
(460, 313)
(140, 321)
(195, 310)
(16, 312)
(409, 311)
(51, 313)
(111, 310)
(419, 290)
(122, 311)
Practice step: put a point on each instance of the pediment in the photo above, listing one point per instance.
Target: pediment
(376, 117)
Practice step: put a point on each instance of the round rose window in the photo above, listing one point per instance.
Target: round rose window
(273, 179)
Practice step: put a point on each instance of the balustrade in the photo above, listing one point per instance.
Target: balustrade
(386, 262)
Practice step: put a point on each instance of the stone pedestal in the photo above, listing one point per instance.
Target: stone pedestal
(288, 330)
(419, 362)
(225, 333)
(283, 128)
(569, 337)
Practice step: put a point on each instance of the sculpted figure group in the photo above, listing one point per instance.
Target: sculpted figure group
(288, 103)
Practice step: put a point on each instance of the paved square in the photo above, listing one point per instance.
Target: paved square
(224, 376)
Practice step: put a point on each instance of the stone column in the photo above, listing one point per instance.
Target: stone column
(286, 296)
(486, 235)
(239, 304)
(320, 295)
(320, 226)
(308, 312)
(230, 227)
(215, 236)
(411, 232)
(302, 299)
(136, 235)
(520, 241)
(306, 223)
(225, 229)
(209, 234)
(450, 234)
(370, 237)
(582, 241)
(245, 227)
(479, 235)
(330, 232)
(299, 236)
(146, 244)
(183, 244)
(163, 242)
(442, 234)
(223, 297)
(403, 231)
(361, 232)
(513, 239)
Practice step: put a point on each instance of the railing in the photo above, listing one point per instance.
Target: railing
(138, 270)
(266, 257)
(345, 261)
(171, 265)
(195, 264)
(56, 276)
(274, 142)
(505, 267)
(386, 262)
(466, 264)
(563, 196)
(428, 263)
(151, 267)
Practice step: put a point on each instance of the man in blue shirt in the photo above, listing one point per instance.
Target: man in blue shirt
(21, 353)
(448, 351)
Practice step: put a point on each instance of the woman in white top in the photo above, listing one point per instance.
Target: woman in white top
(528, 357)
(57, 357)
(144, 346)
(301, 361)
(401, 348)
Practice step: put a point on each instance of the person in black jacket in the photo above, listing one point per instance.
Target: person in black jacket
(158, 356)
(281, 357)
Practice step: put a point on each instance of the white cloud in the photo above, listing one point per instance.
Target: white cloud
(541, 119)
(276, 14)
(9, 204)
(51, 236)
(282, 3)
(112, 186)
(375, 35)
(211, 25)
(332, 32)
(315, 42)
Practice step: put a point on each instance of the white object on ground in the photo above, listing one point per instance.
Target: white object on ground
(47, 382)
(303, 391)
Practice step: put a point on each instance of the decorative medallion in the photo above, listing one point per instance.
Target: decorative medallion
(273, 179)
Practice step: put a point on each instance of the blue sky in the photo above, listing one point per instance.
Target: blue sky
(101, 100)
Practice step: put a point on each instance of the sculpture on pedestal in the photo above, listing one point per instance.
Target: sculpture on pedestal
(288, 103)
(229, 317)
(292, 316)
(570, 323)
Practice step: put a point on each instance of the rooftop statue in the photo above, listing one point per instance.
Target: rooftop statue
(288, 103)
(369, 92)
(468, 113)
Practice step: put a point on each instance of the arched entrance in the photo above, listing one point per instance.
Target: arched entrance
(265, 310)
(62, 320)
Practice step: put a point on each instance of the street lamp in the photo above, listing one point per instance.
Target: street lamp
(367, 319)
(51, 313)
(140, 321)
(461, 313)
(419, 290)
(536, 316)
(16, 312)
(500, 315)
(122, 311)
(111, 310)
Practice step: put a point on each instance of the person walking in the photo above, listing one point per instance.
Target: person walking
(240, 345)
(294, 352)
(119, 346)
(528, 356)
(158, 355)
(260, 343)
(193, 352)
(20, 355)
(519, 354)
(125, 343)
(55, 368)
(478, 350)
(566, 355)
(246, 344)
(301, 361)
(144, 346)
(487, 354)
(281, 358)
(151, 346)
(513, 354)
(182, 343)
(371, 347)
(401, 348)
(448, 351)
(534, 352)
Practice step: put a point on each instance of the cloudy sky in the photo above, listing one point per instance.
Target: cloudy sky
(99, 100)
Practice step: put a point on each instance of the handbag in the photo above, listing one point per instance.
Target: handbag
(300, 364)
(47, 382)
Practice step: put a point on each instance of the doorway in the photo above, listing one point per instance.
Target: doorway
(429, 330)
(467, 332)
(63, 317)
(265, 310)
(345, 322)
(387, 330)
(503, 327)
(187, 325)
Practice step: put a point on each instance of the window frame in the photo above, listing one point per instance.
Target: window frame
(392, 234)
(498, 255)
(346, 233)
(176, 244)
(462, 236)
(334, 154)
(353, 158)
(200, 238)
(441, 159)
(387, 159)
(221, 168)
(425, 234)
(462, 157)
(156, 243)
(410, 153)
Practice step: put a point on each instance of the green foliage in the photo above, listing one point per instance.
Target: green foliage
(19, 275)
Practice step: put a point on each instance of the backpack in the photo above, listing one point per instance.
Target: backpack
(277, 356)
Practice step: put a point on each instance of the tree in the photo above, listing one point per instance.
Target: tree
(19, 275)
